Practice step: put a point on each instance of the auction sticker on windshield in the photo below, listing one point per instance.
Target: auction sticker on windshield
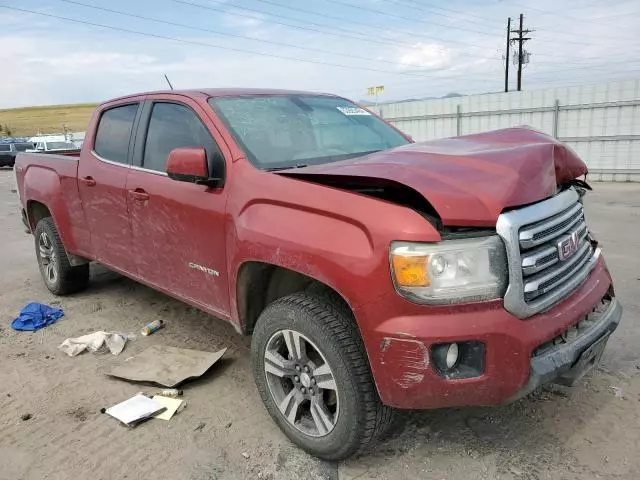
(353, 111)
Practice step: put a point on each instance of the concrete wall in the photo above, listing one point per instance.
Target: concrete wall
(601, 121)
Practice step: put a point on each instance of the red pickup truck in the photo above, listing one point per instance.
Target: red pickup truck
(373, 272)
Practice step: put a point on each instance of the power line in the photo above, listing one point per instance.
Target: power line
(596, 66)
(564, 16)
(165, 37)
(388, 14)
(418, 6)
(365, 37)
(368, 25)
(594, 37)
(210, 45)
(217, 32)
(534, 76)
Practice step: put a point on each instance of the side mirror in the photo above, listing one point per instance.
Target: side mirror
(189, 164)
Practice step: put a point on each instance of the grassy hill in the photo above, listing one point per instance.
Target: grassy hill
(29, 121)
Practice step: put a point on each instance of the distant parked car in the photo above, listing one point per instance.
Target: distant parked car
(60, 148)
(8, 152)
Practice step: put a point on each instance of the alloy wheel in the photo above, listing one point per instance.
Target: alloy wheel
(301, 383)
(48, 258)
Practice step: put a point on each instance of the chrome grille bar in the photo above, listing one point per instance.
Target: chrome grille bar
(547, 255)
(533, 235)
(546, 230)
(550, 278)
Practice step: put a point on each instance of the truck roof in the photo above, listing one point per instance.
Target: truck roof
(221, 92)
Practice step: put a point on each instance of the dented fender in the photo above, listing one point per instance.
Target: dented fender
(325, 233)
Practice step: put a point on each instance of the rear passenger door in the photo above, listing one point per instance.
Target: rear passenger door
(102, 177)
(178, 227)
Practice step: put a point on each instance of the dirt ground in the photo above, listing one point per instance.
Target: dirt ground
(589, 431)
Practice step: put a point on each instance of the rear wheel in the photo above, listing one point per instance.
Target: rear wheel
(59, 276)
(312, 373)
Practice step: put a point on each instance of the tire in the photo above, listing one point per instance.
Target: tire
(327, 422)
(59, 276)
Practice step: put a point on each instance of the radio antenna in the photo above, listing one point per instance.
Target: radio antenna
(167, 79)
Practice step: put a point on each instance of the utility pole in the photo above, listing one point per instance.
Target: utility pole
(521, 32)
(506, 57)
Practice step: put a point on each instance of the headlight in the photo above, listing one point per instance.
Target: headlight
(452, 271)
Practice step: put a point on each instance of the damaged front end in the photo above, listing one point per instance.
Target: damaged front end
(459, 182)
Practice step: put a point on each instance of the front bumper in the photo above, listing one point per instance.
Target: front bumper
(566, 364)
(399, 346)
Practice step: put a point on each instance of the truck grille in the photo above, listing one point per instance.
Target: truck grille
(549, 252)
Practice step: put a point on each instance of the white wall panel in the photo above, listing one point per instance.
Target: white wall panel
(601, 121)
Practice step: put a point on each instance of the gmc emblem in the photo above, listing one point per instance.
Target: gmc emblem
(568, 246)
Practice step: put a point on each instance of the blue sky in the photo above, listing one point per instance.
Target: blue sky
(415, 48)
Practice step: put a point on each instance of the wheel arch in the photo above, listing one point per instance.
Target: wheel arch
(35, 212)
(260, 283)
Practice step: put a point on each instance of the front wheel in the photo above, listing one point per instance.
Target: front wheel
(312, 373)
(59, 276)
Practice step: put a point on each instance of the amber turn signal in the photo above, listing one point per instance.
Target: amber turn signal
(411, 271)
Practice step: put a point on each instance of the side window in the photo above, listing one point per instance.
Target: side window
(114, 133)
(173, 126)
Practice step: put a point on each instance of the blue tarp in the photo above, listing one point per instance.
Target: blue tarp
(35, 316)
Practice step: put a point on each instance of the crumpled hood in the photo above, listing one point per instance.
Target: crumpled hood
(469, 180)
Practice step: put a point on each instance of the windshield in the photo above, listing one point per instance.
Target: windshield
(60, 146)
(281, 131)
(21, 147)
(5, 147)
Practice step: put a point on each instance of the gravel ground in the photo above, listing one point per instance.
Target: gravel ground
(589, 431)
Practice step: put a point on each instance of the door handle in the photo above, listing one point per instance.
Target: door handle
(139, 195)
(88, 181)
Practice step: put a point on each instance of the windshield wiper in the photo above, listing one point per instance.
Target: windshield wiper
(276, 169)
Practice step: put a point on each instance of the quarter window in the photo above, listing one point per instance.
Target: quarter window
(114, 133)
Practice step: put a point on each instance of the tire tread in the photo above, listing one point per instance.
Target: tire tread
(338, 321)
(70, 279)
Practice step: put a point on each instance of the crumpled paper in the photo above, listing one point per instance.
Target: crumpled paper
(114, 341)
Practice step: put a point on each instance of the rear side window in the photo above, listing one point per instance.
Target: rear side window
(173, 126)
(5, 147)
(114, 133)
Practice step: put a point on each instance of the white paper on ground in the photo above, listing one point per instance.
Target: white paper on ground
(134, 409)
(172, 405)
(94, 341)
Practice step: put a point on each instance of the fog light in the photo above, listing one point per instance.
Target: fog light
(458, 360)
(445, 356)
(452, 355)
